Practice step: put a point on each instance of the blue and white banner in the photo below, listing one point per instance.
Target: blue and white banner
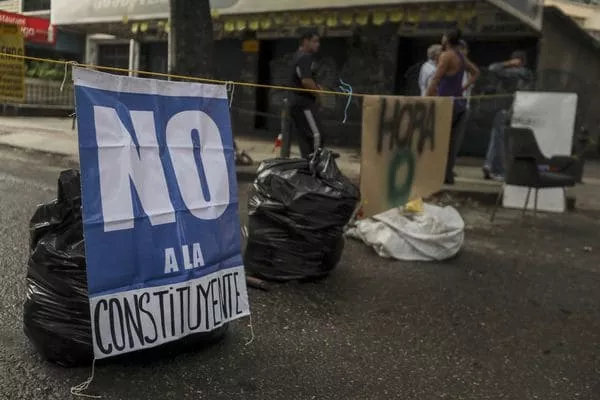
(160, 210)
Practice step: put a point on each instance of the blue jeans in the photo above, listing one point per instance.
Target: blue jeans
(494, 160)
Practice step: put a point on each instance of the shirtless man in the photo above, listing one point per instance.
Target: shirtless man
(448, 82)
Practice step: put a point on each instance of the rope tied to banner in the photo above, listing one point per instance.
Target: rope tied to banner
(230, 88)
(249, 342)
(64, 81)
(346, 88)
(209, 80)
(78, 390)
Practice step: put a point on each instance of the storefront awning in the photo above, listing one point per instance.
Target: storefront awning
(104, 16)
(35, 30)
(68, 12)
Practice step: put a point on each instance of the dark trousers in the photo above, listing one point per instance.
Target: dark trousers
(457, 134)
(306, 127)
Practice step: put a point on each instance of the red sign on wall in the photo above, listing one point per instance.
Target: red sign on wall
(35, 30)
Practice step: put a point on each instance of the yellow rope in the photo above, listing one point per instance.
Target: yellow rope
(209, 80)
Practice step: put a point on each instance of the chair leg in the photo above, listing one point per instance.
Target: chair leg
(497, 205)
(526, 202)
(535, 203)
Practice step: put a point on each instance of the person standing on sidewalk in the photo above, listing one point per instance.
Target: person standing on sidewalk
(514, 75)
(461, 128)
(303, 104)
(448, 82)
(428, 68)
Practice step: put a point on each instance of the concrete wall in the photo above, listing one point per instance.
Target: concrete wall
(570, 62)
(588, 14)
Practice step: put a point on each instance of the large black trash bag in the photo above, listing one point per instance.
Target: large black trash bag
(296, 218)
(56, 313)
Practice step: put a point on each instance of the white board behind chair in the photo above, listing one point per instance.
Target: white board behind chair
(551, 116)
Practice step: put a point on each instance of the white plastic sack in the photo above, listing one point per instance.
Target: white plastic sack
(434, 235)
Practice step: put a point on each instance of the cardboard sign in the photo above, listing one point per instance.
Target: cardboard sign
(160, 210)
(404, 149)
(12, 70)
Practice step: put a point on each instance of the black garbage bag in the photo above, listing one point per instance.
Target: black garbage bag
(56, 313)
(296, 218)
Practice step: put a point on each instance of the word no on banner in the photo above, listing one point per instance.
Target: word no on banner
(404, 149)
(12, 70)
(160, 210)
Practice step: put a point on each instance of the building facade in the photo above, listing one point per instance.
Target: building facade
(374, 46)
(585, 12)
(577, 70)
(42, 39)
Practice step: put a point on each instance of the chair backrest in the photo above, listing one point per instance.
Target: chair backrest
(526, 143)
(522, 157)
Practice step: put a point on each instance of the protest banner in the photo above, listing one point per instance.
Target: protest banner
(12, 70)
(160, 210)
(404, 149)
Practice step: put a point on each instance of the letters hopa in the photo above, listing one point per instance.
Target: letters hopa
(404, 149)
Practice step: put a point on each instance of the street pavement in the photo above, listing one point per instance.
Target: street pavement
(514, 316)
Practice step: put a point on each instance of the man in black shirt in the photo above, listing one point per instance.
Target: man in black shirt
(303, 104)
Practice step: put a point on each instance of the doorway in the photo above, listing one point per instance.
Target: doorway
(265, 55)
(154, 58)
(412, 53)
(115, 56)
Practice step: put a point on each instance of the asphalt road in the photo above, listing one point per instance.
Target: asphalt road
(515, 316)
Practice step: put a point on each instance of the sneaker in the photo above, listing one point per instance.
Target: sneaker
(497, 178)
(486, 173)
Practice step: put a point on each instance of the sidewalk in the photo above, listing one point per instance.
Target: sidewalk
(55, 135)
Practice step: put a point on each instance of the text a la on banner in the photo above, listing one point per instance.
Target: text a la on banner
(160, 210)
(12, 70)
(404, 149)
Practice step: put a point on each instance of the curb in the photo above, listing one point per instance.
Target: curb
(67, 161)
(489, 198)
(20, 128)
(244, 173)
(247, 174)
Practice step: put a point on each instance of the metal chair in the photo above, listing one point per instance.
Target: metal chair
(565, 165)
(524, 170)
